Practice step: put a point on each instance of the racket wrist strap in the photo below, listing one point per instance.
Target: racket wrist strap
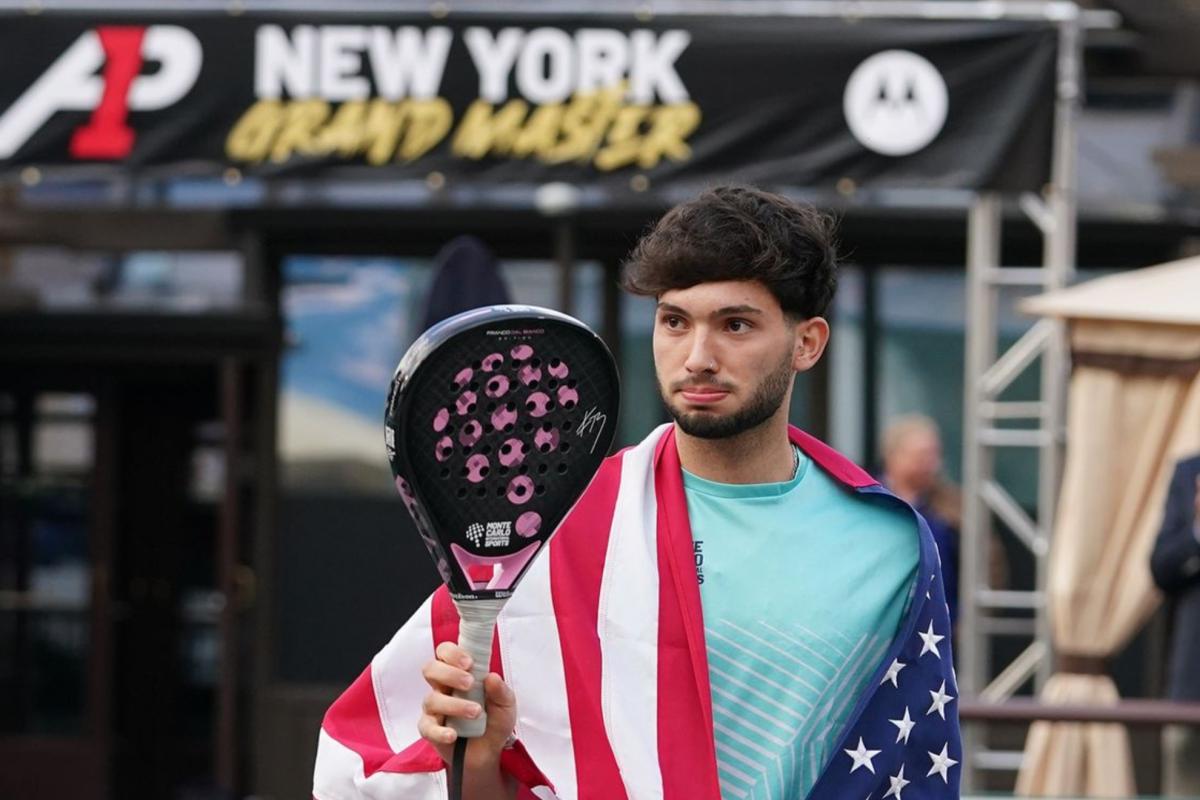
(477, 627)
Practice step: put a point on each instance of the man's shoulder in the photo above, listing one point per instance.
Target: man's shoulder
(1188, 466)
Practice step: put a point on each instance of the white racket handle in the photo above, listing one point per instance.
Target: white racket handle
(477, 626)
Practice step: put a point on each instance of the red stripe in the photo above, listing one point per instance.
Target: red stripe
(577, 557)
(443, 617)
(831, 460)
(686, 753)
(353, 720)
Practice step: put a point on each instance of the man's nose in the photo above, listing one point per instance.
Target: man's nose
(700, 356)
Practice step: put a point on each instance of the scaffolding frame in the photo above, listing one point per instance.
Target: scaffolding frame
(987, 372)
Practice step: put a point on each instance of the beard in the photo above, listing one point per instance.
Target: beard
(767, 399)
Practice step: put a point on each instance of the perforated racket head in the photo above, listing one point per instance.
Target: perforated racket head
(497, 420)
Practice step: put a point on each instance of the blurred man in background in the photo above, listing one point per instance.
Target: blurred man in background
(911, 448)
(1175, 564)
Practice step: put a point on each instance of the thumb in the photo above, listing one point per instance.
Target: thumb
(499, 696)
(501, 708)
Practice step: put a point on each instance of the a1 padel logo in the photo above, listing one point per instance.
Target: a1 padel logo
(895, 102)
(77, 82)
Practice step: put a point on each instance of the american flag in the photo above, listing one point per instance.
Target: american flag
(904, 740)
(641, 726)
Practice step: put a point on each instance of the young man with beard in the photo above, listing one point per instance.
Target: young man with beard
(732, 610)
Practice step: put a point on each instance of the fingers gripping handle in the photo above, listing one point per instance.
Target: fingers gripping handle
(476, 628)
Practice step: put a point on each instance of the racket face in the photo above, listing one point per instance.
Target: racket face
(496, 422)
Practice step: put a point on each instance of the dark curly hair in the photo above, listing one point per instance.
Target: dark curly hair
(740, 233)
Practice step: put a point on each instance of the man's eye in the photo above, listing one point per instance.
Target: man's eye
(672, 322)
(738, 325)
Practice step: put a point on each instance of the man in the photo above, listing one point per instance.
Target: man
(1175, 564)
(912, 470)
(732, 609)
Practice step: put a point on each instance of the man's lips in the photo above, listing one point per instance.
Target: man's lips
(695, 394)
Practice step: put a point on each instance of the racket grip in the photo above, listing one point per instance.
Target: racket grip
(477, 626)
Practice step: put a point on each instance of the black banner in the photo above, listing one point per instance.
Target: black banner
(780, 101)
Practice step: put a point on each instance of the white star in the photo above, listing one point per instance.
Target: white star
(940, 699)
(893, 673)
(898, 783)
(941, 763)
(905, 725)
(862, 757)
(930, 639)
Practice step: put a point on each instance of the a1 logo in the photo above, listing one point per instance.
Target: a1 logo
(895, 102)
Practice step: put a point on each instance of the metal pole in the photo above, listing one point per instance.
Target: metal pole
(1059, 267)
(564, 256)
(983, 255)
(870, 365)
(1051, 10)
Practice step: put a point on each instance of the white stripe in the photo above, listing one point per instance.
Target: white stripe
(726, 749)
(803, 647)
(742, 740)
(627, 626)
(756, 729)
(532, 656)
(758, 676)
(726, 786)
(339, 776)
(752, 690)
(778, 649)
(396, 677)
(737, 773)
(743, 706)
(754, 656)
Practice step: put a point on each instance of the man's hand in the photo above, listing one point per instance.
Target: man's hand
(447, 673)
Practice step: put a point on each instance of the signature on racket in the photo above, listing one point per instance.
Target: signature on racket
(593, 422)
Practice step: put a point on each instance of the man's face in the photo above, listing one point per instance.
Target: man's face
(725, 356)
(917, 459)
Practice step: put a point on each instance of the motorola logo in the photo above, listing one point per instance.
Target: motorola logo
(895, 102)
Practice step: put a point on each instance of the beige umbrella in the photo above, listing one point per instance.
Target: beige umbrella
(1133, 412)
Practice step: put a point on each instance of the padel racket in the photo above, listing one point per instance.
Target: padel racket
(497, 420)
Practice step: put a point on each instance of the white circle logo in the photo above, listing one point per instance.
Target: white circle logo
(895, 102)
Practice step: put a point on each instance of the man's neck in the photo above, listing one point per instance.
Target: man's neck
(761, 455)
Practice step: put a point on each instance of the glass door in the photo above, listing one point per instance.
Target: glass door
(54, 560)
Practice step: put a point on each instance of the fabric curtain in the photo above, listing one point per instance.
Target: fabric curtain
(1126, 428)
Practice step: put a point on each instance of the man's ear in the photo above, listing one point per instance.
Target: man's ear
(812, 335)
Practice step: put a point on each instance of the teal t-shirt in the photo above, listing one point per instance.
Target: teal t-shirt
(803, 585)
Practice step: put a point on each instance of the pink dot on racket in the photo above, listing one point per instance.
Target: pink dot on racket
(463, 377)
(537, 404)
(512, 452)
(466, 403)
(470, 434)
(490, 363)
(529, 523)
(402, 487)
(558, 369)
(567, 397)
(520, 490)
(522, 352)
(443, 449)
(546, 440)
(503, 417)
(477, 468)
(497, 386)
(441, 419)
(529, 373)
